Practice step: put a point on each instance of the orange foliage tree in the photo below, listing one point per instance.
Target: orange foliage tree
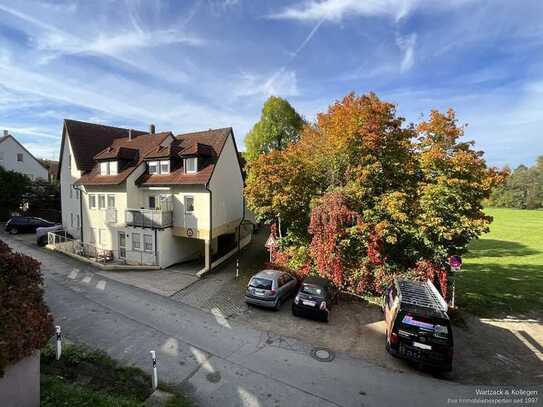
(356, 190)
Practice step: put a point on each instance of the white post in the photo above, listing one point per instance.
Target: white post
(237, 267)
(59, 341)
(155, 374)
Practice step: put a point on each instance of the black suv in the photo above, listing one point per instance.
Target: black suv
(417, 325)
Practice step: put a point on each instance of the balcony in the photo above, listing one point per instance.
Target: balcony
(149, 218)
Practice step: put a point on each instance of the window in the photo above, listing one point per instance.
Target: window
(77, 220)
(108, 168)
(72, 219)
(191, 164)
(101, 201)
(152, 202)
(136, 242)
(71, 190)
(148, 243)
(113, 168)
(77, 194)
(165, 167)
(189, 204)
(20, 157)
(92, 201)
(92, 238)
(69, 161)
(111, 201)
(153, 167)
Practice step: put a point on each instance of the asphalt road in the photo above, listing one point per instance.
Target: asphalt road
(217, 361)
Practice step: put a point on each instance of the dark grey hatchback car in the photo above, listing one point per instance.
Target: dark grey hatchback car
(270, 288)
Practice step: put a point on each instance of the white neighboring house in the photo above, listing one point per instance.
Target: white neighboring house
(15, 157)
(151, 198)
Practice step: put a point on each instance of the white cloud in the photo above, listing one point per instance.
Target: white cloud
(336, 10)
(407, 45)
(282, 83)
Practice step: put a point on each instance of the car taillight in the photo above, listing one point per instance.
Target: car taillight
(271, 292)
(394, 337)
(323, 305)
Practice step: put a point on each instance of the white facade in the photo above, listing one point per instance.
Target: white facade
(198, 215)
(14, 157)
(70, 205)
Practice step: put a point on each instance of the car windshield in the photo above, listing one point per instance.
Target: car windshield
(262, 283)
(312, 289)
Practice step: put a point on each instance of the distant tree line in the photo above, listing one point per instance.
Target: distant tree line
(523, 188)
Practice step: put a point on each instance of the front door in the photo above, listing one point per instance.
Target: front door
(122, 245)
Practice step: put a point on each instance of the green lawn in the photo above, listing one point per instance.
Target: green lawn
(503, 271)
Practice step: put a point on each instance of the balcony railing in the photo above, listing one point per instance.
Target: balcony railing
(149, 218)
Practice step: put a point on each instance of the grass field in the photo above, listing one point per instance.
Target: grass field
(503, 271)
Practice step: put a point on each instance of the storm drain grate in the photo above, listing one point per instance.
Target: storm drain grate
(322, 354)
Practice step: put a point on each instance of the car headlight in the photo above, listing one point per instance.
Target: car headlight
(323, 305)
(296, 300)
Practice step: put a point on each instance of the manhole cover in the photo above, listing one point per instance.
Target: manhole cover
(322, 354)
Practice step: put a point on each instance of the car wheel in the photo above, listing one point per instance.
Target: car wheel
(325, 317)
(278, 304)
(13, 231)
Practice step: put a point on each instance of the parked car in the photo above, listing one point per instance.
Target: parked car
(26, 224)
(418, 327)
(42, 233)
(270, 288)
(314, 299)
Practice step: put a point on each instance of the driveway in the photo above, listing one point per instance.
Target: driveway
(219, 362)
(486, 351)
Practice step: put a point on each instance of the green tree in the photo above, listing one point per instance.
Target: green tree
(279, 125)
(14, 187)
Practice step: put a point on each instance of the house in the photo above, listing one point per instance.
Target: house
(52, 169)
(15, 157)
(151, 198)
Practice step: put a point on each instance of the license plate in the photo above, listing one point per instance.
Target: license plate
(310, 303)
(422, 346)
(259, 293)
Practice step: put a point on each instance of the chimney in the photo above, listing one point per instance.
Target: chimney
(6, 133)
(129, 134)
(151, 129)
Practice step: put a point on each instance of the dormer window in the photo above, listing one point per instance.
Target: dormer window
(191, 165)
(165, 167)
(108, 168)
(159, 167)
(153, 167)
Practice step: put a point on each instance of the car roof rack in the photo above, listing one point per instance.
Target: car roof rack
(421, 294)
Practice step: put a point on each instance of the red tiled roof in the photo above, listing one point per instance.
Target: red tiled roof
(122, 153)
(212, 140)
(141, 143)
(88, 139)
(163, 151)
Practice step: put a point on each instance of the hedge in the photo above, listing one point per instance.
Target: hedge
(25, 322)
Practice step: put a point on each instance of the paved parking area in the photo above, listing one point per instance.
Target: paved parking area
(486, 351)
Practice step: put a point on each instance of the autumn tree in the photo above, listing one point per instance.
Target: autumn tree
(279, 125)
(455, 181)
(366, 197)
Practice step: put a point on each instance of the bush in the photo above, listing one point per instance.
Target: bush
(25, 322)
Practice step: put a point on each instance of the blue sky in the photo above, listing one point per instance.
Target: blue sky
(188, 65)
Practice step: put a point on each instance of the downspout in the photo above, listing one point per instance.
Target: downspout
(210, 222)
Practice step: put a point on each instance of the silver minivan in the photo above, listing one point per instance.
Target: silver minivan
(270, 288)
